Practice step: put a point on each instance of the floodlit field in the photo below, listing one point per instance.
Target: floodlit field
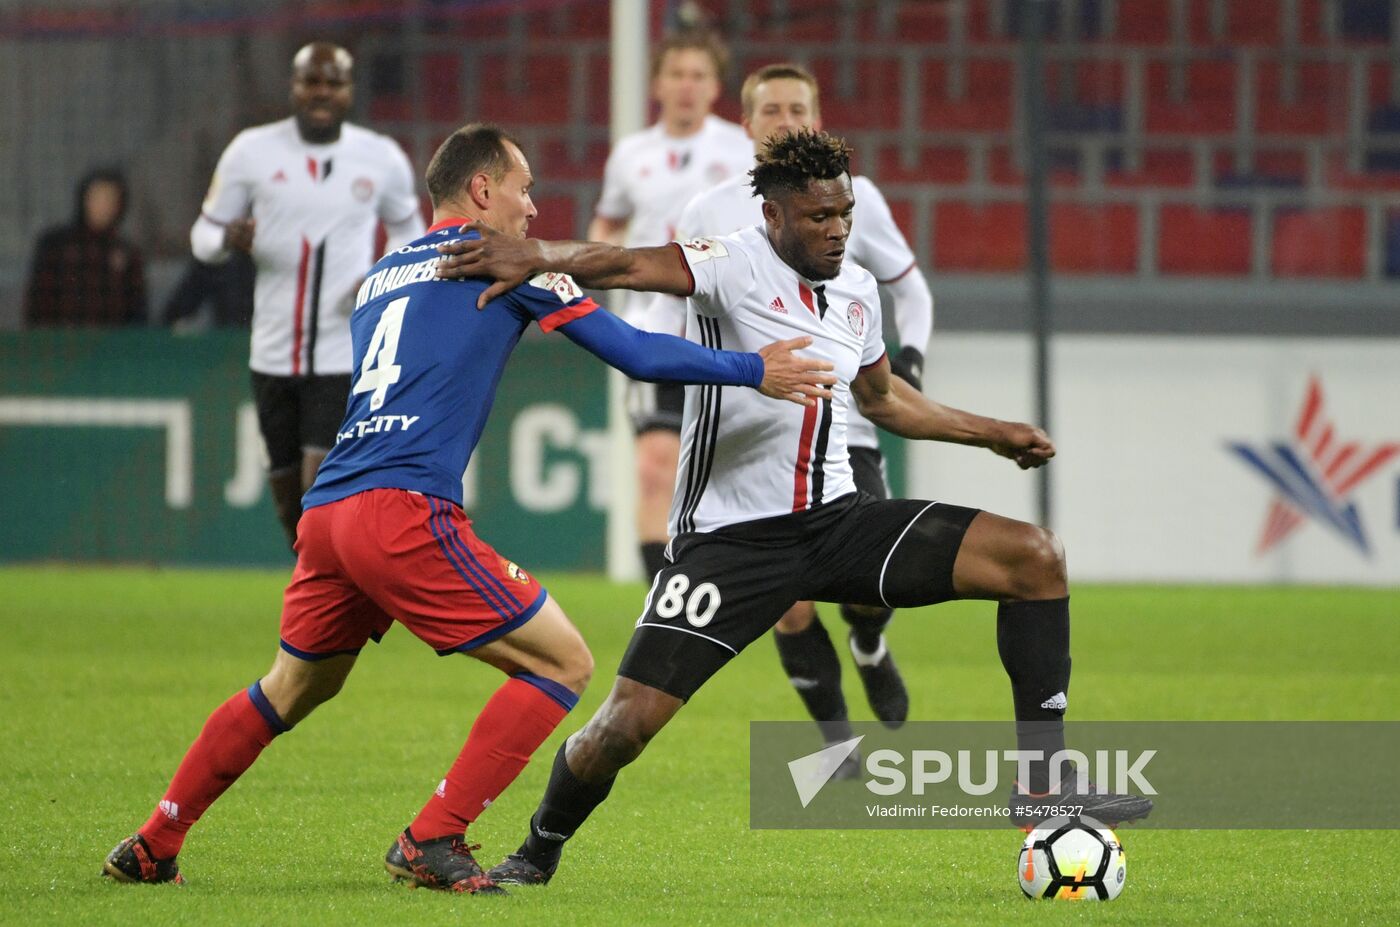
(106, 676)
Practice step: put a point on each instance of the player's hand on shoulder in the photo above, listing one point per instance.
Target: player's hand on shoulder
(506, 259)
(1026, 444)
(238, 234)
(789, 376)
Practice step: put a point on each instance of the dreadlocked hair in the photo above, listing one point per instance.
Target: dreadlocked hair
(789, 160)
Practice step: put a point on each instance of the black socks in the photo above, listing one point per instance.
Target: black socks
(814, 670)
(1033, 641)
(567, 803)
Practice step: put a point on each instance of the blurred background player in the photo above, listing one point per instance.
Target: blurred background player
(648, 178)
(86, 273)
(780, 98)
(304, 196)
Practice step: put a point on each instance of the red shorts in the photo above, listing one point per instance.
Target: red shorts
(389, 555)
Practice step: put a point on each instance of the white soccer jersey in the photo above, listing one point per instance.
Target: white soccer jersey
(876, 244)
(317, 208)
(745, 456)
(650, 176)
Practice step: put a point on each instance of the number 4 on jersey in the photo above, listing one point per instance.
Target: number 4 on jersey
(379, 371)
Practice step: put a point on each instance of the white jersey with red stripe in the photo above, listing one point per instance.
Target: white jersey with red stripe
(876, 244)
(745, 456)
(651, 175)
(317, 208)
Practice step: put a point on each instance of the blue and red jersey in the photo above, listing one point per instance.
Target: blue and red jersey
(426, 366)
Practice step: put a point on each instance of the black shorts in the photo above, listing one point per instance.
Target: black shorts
(655, 406)
(724, 589)
(299, 413)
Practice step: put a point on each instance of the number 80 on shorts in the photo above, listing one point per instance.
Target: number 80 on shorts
(699, 606)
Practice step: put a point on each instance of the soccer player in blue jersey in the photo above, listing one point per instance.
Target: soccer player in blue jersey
(384, 538)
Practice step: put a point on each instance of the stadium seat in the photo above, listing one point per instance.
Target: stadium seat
(875, 103)
(1159, 168)
(1148, 23)
(441, 90)
(533, 86)
(925, 23)
(556, 218)
(986, 105)
(565, 158)
(1271, 168)
(1099, 82)
(1365, 20)
(988, 237)
(1319, 106)
(1208, 105)
(1319, 242)
(1094, 239)
(1064, 167)
(935, 164)
(1203, 242)
(1254, 22)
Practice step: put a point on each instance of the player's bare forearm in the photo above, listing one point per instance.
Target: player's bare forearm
(897, 407)
(510, 261)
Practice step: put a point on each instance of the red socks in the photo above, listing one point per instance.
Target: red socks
(515, 721)
(231, 740)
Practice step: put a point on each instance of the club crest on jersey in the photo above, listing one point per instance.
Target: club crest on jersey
(702, 249)
(855, 315)
(561, 285)
(362, 189)
(515, 573)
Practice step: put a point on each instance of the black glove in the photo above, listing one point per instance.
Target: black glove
(908, 365)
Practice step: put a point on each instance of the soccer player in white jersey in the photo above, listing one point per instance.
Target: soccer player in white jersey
(768, 513)
(304, 196)
(780, 98)
(649, 176)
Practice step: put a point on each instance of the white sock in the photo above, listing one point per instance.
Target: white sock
(868, 659)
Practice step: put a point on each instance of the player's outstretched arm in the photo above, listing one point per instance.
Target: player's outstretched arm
(897, 407)
(774, 370)
(510, 261)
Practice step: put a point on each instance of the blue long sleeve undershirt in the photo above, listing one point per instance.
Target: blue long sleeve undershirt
(654, 357)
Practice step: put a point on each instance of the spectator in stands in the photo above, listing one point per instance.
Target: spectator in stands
(85, 273)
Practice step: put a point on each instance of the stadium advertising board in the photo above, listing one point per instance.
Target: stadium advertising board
(1193, 459)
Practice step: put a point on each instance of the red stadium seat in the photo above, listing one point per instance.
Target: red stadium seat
(1320, 242)
(1146, 22)
(936, 164)
(1208, 105)
(442, 87)
(1310, 21)
(1094, 239)
(1319, 106)
(1340, 177)
(556, 218)
(1003, 170)
(925, 23)
(875, 104)
(903, 212)
(564, 158)
(1203, 241)
(986, 105)
(1160, 168)
(1378, 84)
(1099, 82)
(1254, 22)
(983, 238)
(539, 95)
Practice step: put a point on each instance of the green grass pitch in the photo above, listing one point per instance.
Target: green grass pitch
(107, 674)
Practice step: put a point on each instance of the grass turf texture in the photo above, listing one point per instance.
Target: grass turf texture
(107, 674)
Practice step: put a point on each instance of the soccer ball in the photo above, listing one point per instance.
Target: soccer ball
(1076, 859)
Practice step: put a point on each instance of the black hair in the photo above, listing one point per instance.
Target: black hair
(789, 160)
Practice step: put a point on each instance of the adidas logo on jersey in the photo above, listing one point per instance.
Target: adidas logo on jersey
(777, 305)
(1056, 702)
(279, 177)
